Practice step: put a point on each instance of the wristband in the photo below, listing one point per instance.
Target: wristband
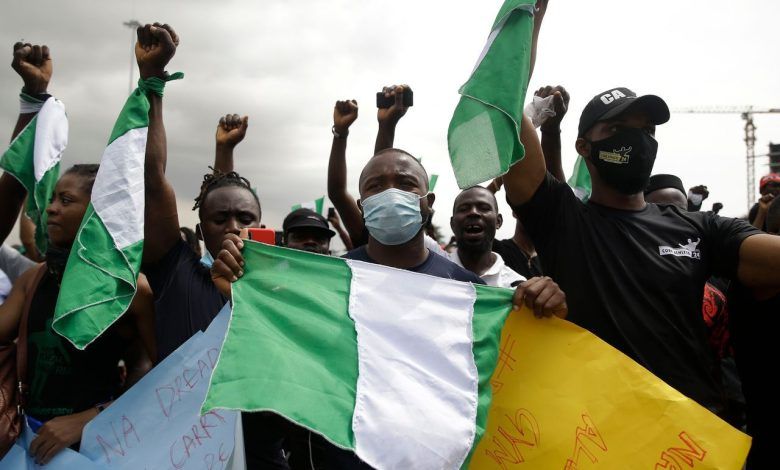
(337, 135)
(31, 103)
(156, 85)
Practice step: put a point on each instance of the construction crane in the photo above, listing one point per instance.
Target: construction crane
(746, 112)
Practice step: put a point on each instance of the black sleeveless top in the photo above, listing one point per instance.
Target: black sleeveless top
(63, 380)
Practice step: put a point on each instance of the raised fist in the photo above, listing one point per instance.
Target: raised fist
(344, 114)
(231, 130)
(33, 64)
(560, 105)
(394, 113)
(156, 46)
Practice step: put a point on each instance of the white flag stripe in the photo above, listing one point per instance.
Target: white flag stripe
(118, 195)
(51, 136)
(417, 385)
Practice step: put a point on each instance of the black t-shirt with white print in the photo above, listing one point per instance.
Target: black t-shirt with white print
(636, 278)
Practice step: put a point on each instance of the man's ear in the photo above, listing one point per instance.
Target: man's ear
(360, 206)
(583, 148)
(499, 221)
(431, 197)
(452, 224)
(199, 232)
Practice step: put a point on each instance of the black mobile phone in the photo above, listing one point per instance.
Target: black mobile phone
(383, 101)
(331, 212)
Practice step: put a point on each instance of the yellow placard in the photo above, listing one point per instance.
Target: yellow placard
(564, 399)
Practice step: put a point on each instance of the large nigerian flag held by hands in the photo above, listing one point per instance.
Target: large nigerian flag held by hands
(102, 271)
(484, 134)
(392, 364)
(33, 158)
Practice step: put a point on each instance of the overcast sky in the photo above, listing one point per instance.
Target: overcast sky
(285, 63)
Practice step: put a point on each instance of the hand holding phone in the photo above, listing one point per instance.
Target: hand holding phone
(386, 98)
(262, 235)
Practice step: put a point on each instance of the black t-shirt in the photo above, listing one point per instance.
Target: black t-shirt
(62, 379)
(516, 259)
(636, 278)
(754, 329)
(185, 298)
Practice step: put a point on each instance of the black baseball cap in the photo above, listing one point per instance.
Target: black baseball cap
(662, 181)
(613, 102)
(306, 218)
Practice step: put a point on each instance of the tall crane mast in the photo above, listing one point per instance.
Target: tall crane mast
(746, 112)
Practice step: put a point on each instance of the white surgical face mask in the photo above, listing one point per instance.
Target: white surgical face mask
(206, 260)
(393, 216)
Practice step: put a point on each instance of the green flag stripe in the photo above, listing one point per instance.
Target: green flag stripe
(490, 311)
(83, 315)
(18, 160)
(134, 114)
(283, 322)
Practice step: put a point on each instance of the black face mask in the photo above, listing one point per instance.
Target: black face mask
(625, 160)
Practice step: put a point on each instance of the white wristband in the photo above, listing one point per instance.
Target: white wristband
(27, 107)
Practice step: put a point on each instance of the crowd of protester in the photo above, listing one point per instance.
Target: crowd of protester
(688, 294)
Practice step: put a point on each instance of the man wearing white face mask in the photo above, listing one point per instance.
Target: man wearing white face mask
(396, 205)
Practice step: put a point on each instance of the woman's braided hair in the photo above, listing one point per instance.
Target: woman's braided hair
(217, 179)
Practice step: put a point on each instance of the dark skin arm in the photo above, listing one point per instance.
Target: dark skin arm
(230, 132)
(759, 263)
(32, 63)
(334, 221)
(344, 114)
(388, 117)
(551, 130)
(763, 208)
(155, 47)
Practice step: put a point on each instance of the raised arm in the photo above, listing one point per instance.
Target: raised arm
(345, 238)
(155, 47)
(230, 132)
(344, 114)
(551, 129)
(763, 208)
(524, 177)
(388, 117)
(33, 64)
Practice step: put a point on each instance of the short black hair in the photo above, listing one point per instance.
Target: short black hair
(404, 152)
(773, 217)
(87, 172)
(476, 186)
(217, 179)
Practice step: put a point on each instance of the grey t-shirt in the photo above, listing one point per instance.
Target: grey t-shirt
(13, 263)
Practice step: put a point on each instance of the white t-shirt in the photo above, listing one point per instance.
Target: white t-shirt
(498, 275)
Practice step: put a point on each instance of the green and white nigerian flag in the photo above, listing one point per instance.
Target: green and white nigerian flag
(317, 205)
(391, 364)
(484, 133)
(100, 278)
(580, 180)
(33, 158)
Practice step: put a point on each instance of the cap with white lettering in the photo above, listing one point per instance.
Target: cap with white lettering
(614, 102)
